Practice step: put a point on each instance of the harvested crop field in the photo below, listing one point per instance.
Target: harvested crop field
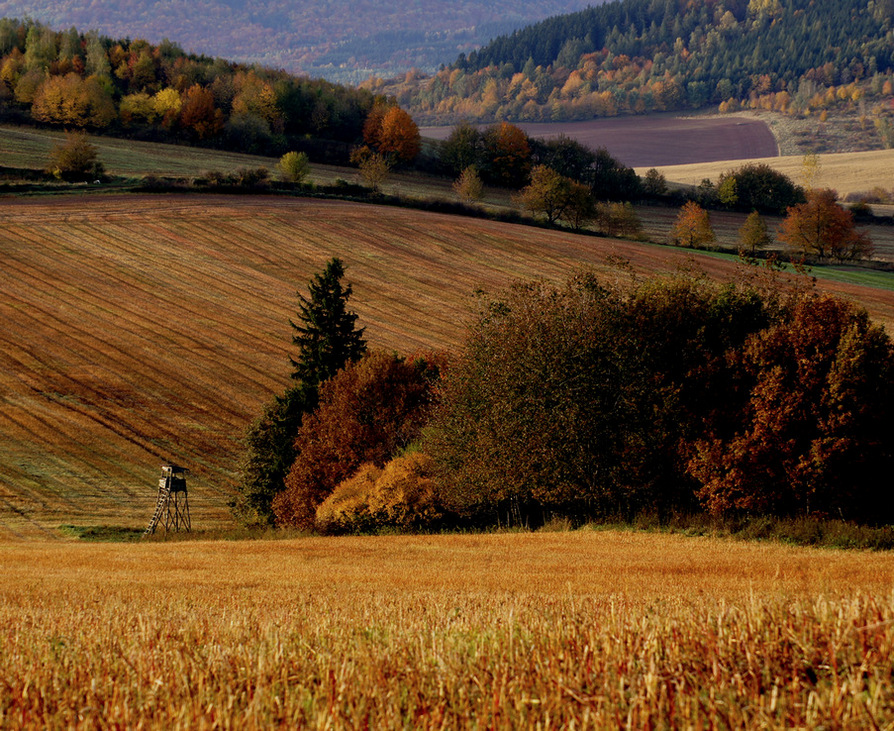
(144, 328)
(544, 630)
(659, 139)
(845, 172)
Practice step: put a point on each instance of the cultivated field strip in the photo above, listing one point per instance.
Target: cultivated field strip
(585, 630)
(141, 329)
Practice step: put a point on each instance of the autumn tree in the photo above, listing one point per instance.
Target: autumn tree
(374, 167)
(575, 400)
(808, 433)
(138, 107)
(692, 227)
(547, 193)
(618, 219)
(168, 103)
(823, 228)
(366, 413)
(463, 148)
(392, 132)
(754, 234)
(372, 125)
(294, 166)
(198, 113)
(399, 136)
(73, 101)
(507, 155)
(401, 495)
(468, 185)
(326, 338)
(76, 158)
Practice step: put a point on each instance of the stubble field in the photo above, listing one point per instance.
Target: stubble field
(844, 172)
(142, 329)
(545, 630)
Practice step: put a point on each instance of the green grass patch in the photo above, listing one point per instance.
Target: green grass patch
(101, 533)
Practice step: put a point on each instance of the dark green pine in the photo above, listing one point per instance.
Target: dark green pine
(325, 334)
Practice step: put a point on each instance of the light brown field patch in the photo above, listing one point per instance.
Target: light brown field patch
(142, 329)
(590, 629)
(845, 172)
(658, 139)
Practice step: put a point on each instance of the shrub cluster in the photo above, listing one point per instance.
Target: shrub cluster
(591, 401)
(368, 412)
(587, 402)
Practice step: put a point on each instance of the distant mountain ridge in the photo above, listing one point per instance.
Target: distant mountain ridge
(340, 40)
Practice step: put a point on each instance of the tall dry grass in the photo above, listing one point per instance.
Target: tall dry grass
(558, 630)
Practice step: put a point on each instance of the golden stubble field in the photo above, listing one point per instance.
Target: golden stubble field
(544, 630)
(845, 172)
(138, 329)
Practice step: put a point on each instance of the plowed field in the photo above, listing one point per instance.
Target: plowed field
(140, 329)
(659, 139)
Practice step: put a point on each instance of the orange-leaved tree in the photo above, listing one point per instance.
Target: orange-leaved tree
(812, 433)
(366, 413)
(507, 155)
(692, 227)
(823, 228)
(392, 132)
(198, 113)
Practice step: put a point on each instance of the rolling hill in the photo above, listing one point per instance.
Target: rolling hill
(139, 329)
(338, 40)
(645, 56)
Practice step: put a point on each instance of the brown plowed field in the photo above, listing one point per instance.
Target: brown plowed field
(138, 329)
(658, 139)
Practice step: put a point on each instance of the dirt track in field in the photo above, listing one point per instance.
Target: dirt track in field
(659, 139)
(140, 329)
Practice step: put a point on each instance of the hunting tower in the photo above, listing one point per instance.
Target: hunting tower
(172, 503)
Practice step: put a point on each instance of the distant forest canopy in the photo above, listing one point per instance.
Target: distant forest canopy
(158, 92)
(639, 56)
(340, 40)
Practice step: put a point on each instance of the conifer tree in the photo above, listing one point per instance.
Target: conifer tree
(327, 340)
(326, 336)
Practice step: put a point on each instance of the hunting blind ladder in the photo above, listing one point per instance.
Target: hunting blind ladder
(172, 503)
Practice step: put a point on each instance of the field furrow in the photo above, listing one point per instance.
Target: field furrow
(140, 329)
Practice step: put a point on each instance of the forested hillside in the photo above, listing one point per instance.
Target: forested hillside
(338, 40)
(637, 56)
(159, 92)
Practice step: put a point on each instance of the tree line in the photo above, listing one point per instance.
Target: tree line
(640, 56)
(158, 92)
(588, 400)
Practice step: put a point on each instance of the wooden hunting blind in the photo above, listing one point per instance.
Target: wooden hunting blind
(172, 503)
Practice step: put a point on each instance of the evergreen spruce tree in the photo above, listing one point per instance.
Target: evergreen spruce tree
(327, 339)
(325, 335)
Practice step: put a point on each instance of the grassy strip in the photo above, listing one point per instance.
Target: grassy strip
(808, 532)
(101, 533)
(812, 532)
